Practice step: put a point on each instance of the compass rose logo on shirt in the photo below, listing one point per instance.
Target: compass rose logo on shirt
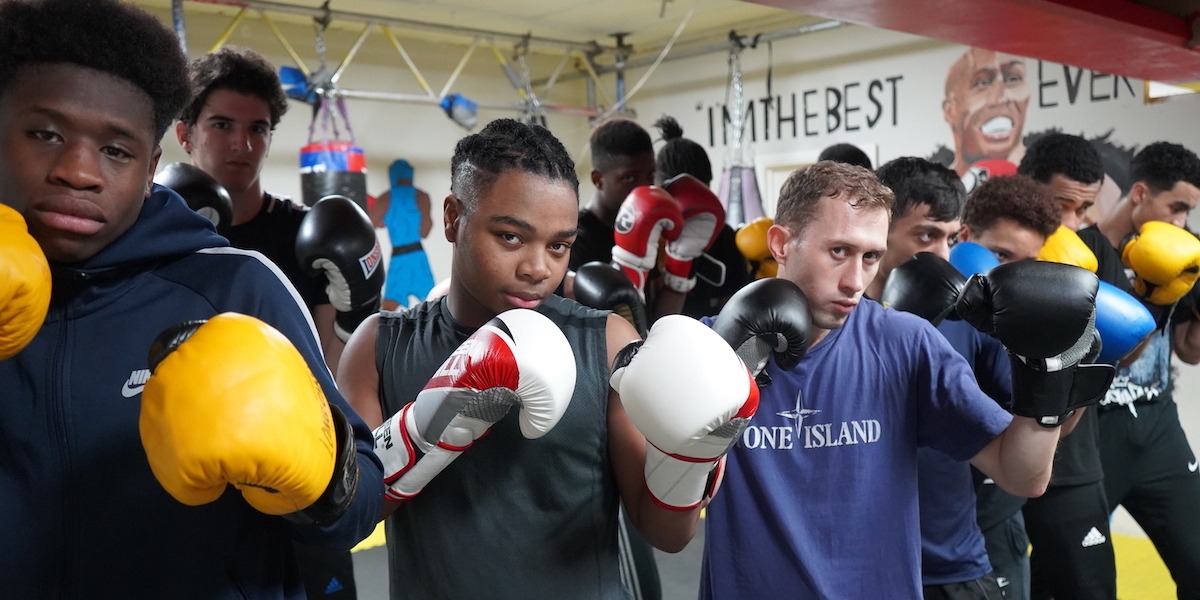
(797, 415)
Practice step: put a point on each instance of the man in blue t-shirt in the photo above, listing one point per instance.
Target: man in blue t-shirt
(820, 494)
(965, 553)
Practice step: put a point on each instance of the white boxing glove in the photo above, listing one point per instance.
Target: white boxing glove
(520, 357)
(688, 392)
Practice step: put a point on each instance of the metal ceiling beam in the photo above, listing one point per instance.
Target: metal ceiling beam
(342, 15)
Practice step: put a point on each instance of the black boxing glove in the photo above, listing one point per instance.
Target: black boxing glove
(201, 191)
(601, 285)
(925, 285)
(336, 240)
(1045, 315)
(768, 316)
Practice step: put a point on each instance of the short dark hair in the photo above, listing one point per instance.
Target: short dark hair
(846, 153)
(109, 36)
(1018, 198)
(1162, 164)
(241, 70)
(679, 155)
(617, 138)
(827, 179)
(919, 181)
(1062, 154)
(507, 145)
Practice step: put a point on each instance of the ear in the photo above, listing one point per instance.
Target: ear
(597, 179)
(153, 167)
(450, 215)
(181, 134)
(964, 234)
(778, 238)
(1138, 192)
(948, 109)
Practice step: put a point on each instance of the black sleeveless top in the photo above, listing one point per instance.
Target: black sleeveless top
(511, 517)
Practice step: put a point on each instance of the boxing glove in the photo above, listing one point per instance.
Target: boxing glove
(691, 411)
(230, 401)
(1122, 321)
(703, 216)
(1045, 316)
(600, 285)
(769, 316)
(751, 240)
(24, 284)
(1064, 246)
(336, 240)
(926, 285)
(518, 358)
(648, 215)
(202, 192)
(1165, 259)
(971, 258)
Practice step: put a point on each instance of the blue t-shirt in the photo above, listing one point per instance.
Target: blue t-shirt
(819, 498)
(952, 546)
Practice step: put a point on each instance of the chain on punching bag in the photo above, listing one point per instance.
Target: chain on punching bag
(331, 166)
(738, 189)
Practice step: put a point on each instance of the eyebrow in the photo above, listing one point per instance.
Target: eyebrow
(233, 120)
(112, 127)
(527, 226)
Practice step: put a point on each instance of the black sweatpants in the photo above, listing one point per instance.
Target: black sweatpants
(1150, 469)
(1072, 545)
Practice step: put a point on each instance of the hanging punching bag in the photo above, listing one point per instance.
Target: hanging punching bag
(334, 168)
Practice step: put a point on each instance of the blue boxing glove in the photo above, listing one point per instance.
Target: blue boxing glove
(1122, 322)
(971, 258)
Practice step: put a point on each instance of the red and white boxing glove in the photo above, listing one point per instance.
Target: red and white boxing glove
(648, 214)
(688, 392)
(518, 358)
(703, 215)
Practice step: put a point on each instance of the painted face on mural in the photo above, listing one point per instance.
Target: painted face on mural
(987, 96)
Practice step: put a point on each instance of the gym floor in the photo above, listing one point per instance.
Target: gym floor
(1140, 573)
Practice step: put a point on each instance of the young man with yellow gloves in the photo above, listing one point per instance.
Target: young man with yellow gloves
(1149, 467)
(117, 464)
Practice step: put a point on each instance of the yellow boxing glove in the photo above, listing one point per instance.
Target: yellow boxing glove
(1064, 246)
(751, 240)
(231, 401)
(1165, 259)
(24, 284)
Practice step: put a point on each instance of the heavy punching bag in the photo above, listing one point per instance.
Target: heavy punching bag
(329, 166)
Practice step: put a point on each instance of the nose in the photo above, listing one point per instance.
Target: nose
(242, 140)
(535, 267)
(1070, 220)
(941, 248)
(852, 279)
(78, 167)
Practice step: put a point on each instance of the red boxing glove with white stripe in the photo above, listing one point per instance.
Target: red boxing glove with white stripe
(703, 216)
(518, 358)
(648, 214)
(691, 411)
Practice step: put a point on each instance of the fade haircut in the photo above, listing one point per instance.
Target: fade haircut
(679, 155)
(507, 145)
(1162, 164)
(236, 69)
(1018, 198)
(615, 139)
(108, 36)
(1062, 154)
(917, 181)
(846, 153)
(805, 187)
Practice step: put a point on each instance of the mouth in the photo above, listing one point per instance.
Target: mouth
(74, 216)
(997, 128)
(844, 306)
(524, 300)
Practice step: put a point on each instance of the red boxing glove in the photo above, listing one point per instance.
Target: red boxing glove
(647, 214)
(703, 216)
